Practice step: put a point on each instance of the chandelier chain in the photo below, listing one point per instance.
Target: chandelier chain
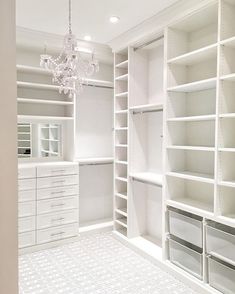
(70, 17)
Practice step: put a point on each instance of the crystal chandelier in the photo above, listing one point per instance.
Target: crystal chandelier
(70, 71)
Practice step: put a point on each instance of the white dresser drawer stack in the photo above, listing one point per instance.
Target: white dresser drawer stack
(27, 206)
(48, 202)
(57, 202)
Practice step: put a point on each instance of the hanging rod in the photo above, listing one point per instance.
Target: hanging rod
(146, 182)
(145, 111)
(148, 43)
(97, 86)
(94, 163)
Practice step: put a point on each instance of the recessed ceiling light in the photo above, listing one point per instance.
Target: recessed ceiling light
(114, 19)
(87, 38)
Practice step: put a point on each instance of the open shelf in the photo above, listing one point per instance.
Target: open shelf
(123, 64)
(122, 78)
(122, 211)
(122, 195)
(195, 86)
(190, 34)
(22, 118)
(195, 56)
(227, 167)
(122, 95)
(227, 200)
(148, 177)
(44, 101)
(194, 176)
(226, 131)
(184, 192)
(37, 86)
(193, 118)
(227, 26)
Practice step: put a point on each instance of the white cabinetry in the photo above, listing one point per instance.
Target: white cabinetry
(48, 202)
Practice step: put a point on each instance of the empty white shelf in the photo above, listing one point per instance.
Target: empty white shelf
(193, 148)
(121, 111)
(229, 77)
(37, 86)
(121, 129)
(229, 42)
(191, 205)
(148, 177)
(201, 177)
(122, 78)
(227, 115)
(121, 162)
(147, 107)
(227, 149)
(44, 101)
(123, 64)
(122, 195)
(42, 118)
(195, 86)
(122, 211)
(122, 95)
(121, 145)
(94, 160)
(193, 118)
(32, 69)
(196, 56)
(227, 183)
(121, 179)
(122, 222)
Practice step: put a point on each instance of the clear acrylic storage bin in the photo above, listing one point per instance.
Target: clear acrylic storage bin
(221, 275)
(186, 226)
(189, 259)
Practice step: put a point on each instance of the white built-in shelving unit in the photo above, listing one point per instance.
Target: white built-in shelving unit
(190, 228)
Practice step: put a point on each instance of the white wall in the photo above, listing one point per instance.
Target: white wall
(8, 154)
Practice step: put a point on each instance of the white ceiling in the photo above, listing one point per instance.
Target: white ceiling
(90, 17)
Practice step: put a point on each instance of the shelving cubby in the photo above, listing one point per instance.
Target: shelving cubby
(24, 140)
(121, 148)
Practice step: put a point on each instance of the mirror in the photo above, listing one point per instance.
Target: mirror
(39, 140)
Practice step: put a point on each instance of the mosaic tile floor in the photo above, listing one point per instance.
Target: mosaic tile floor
(96, 264)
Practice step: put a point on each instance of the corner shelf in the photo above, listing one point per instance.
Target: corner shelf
(194, 86)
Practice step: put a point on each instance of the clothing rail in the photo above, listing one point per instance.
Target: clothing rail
(94, 163)
(146, 182)
(145, 111)
(98, 86)
(148, 43)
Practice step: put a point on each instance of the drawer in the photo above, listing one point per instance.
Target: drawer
(26, 224)
(26, 172)
(28, 195)
(58, 204)
(221, 276)
(57, 192)
(26, 184)
(187, 227)
(26, 209)
(57, 170)
(51, 182)
(57, 219)
(27, 239)
(220, 239)
(186, 258)
(58, 233)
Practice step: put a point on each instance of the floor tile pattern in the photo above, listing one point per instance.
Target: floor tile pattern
(96, 264)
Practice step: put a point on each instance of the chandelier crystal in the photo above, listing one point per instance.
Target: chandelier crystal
(70, 70)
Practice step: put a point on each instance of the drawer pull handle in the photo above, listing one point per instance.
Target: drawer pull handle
(58, 219)
(58, 192)
(57, 205)
(57, 234)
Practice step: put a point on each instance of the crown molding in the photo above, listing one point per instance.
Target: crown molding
(154, 26)
(36, 40)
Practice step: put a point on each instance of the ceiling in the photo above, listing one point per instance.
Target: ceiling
(90, 17)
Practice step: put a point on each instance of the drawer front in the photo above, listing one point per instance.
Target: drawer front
(57, 170)
(57, 192)
(59, 204)
(26, 224)
(186, 258)
(26, 209)
(26, 172)
(186, 228)
(51, 182)
(221, 276)
(28, 195)
(27, 239)
(58, 233)
(26, 184)
(57, 219)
